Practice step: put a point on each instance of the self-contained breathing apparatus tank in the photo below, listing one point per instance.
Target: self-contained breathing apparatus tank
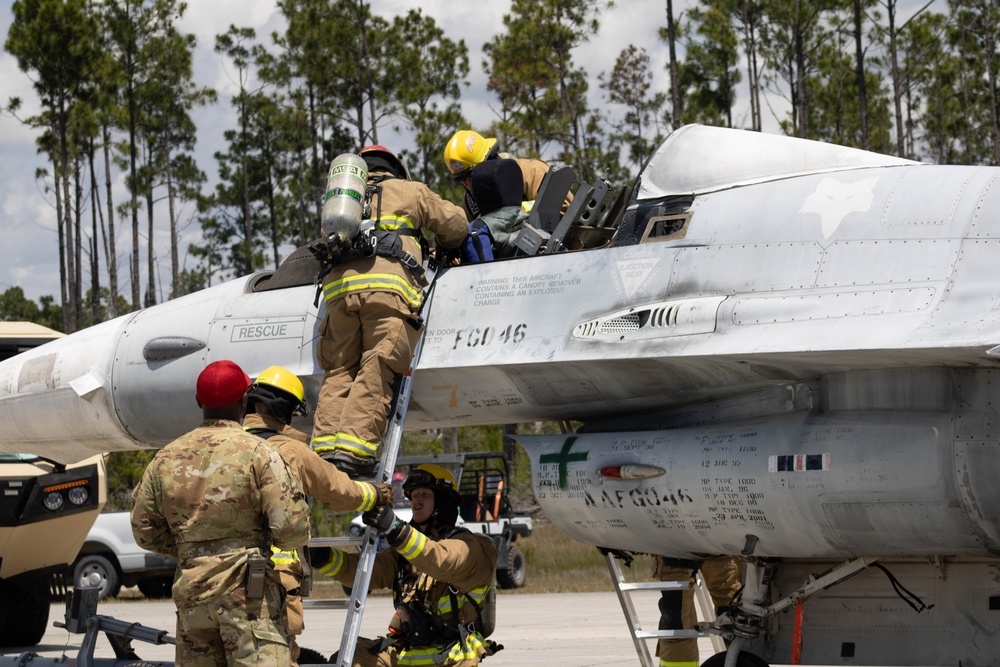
(343, 203)
(349, 231)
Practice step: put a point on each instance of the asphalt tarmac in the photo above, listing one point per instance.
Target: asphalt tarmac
(555, 630)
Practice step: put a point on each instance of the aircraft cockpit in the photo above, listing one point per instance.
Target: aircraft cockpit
(591, 221)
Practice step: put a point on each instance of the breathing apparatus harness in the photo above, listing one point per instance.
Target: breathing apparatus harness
(368, 242)
(422, 627)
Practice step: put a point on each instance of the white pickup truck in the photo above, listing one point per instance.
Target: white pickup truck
(110, 559)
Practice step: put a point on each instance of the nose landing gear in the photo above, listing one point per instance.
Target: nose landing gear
(744, 622)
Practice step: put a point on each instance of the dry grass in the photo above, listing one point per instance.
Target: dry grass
(559, 564)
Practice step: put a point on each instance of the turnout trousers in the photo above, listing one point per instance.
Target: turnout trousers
(677, 610)
(367, 654)
(368, 338)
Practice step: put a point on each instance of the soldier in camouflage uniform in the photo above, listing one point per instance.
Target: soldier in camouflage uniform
(277, 394)
(217, 499)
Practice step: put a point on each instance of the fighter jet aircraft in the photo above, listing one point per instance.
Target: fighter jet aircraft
(765, 346)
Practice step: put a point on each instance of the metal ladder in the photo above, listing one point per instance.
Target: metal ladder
(624, 589)
(368, 542)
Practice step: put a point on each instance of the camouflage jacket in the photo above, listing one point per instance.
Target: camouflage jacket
(211, 498)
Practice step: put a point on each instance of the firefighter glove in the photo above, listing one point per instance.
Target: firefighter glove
(385, 521)
(383, 494)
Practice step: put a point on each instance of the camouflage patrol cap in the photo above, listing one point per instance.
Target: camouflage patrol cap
(222, 383)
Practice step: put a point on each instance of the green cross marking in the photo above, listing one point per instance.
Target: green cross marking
(562, 458)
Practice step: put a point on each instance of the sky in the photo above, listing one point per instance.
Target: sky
(29, 251)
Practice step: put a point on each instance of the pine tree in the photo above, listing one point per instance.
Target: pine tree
(54, 39)
(630, 85)
(434, 69)
(543, 95)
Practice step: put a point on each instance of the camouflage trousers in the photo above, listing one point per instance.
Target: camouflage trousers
(232, 631)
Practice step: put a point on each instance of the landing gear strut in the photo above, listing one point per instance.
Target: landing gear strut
(745, 622)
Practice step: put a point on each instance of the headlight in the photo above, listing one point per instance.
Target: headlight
(78, 495)
(53, 501)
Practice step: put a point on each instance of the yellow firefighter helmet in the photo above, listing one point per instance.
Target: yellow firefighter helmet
(465, 150)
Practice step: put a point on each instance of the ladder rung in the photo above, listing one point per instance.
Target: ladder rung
(326, 604)
(654, 586)
(337, 542)
(670, 634)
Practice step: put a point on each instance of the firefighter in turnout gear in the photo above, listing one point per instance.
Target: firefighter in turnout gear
(466, 149)
(442, 579)
(372, 304)
(217, 499)
(723, 577)
(275, 397)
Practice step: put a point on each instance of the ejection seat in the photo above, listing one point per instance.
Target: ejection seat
(590, 221)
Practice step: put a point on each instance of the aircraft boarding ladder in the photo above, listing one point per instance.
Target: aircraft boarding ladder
(624, 589)
(369, 540)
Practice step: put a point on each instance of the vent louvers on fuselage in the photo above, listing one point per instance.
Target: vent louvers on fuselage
(630, 322)
(672, 318)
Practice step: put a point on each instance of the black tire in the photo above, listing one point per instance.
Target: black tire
(745, 660)
(110, 581)
(24, 610)
(516, 572)
(308, 656)
(156, 588)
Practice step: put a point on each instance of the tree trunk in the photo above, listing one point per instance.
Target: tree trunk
(800, 74)
(319, 187)
(364, 60)
(897, 88)
(70, 246)
(95, 208)
(136, 292)
(245, 167)
(675, 85)
(860, 65)
(78, 244)
(61, 230)
(175, 272)
(753, 82)
(150, 298)
(111, 257)
(272, 216)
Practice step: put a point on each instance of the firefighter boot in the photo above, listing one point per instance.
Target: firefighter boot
(353, 465)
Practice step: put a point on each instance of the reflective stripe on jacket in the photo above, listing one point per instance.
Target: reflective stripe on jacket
(399, 204)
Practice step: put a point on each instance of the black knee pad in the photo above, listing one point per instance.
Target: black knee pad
(670, 610)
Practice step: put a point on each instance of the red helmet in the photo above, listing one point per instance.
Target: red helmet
(380, 157)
